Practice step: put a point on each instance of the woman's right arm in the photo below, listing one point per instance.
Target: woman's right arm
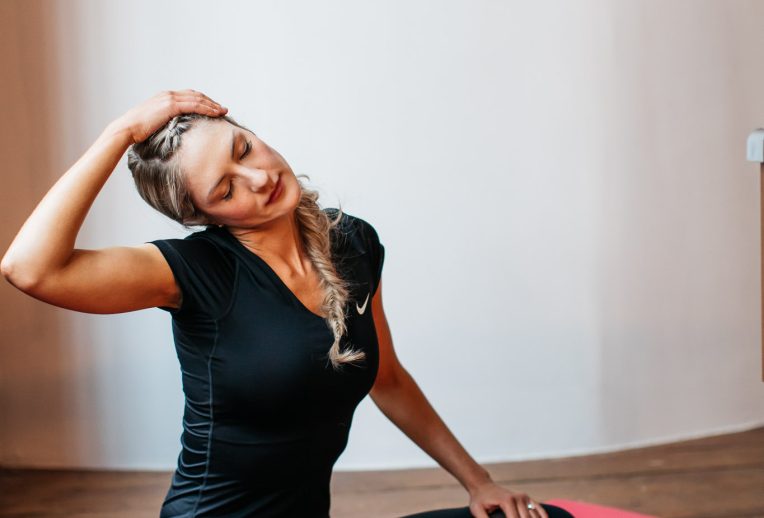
(42, 260)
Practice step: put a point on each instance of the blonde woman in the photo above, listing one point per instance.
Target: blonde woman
(276, 311)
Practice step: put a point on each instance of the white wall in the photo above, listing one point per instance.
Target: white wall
(571, 227)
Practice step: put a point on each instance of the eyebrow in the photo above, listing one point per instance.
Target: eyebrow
(233, 150)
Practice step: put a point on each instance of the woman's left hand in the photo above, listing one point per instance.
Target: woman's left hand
(486, 497)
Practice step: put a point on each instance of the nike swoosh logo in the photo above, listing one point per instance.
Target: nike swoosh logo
(361, 309)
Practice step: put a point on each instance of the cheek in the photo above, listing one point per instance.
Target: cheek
(251, 206)
(242, 207)
(294, 185)
(292, 193)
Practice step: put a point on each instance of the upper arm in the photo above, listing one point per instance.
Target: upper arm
(389, 366)
(110, 280)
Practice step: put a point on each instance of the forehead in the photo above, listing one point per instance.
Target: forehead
(206, 148)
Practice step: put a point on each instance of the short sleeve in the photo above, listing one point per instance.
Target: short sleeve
(203, 274)
(376, 252)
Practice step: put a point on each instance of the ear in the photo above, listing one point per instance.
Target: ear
(199, 218)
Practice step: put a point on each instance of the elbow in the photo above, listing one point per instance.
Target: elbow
(17, 276)
(7, 269)
(389, 379)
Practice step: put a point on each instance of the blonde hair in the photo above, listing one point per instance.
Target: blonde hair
(159, 179)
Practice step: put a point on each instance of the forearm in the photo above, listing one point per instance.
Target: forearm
(46, 239)
(407, 407)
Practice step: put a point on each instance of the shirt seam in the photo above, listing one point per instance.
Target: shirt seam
(212, 419)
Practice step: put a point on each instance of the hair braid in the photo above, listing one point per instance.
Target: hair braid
(315, 228)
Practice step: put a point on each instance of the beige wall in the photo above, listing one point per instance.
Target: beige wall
(572, 267)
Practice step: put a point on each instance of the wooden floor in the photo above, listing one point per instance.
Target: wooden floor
(717, 477)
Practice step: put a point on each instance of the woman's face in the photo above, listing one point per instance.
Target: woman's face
(231, 175)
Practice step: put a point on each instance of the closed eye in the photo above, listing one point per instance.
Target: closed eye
(229, 194)
(247, 149)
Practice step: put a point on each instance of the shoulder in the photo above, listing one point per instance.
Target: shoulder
(196, 242)
(202, 248)
(354, 231)
(351, 222)
(204, 273)
(357, 234)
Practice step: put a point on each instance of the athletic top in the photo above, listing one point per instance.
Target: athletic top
(266, 416)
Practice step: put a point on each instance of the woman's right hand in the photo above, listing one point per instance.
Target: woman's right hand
(144, 119)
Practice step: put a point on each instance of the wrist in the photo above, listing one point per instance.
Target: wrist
(119, 130)
(478, 479)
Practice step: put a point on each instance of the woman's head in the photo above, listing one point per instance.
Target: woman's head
(201, 170)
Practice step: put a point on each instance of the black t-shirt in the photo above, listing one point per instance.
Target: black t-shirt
(266, 416)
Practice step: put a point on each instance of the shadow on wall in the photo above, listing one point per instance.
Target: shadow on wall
(40, 370)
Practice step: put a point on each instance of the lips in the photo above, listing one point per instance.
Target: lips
(275, 192)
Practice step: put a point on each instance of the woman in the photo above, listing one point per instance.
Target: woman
(276, 313)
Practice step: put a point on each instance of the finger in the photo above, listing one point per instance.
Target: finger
(192, 95)
(540, 509)
(521, 501)
(196, 107)
(203, 96)
(536, 511)
(478, 512)
(206, 103)
(203, 107)
(190, 91)
(509, 509)
(197, 98)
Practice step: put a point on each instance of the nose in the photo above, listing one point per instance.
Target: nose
(257, 179)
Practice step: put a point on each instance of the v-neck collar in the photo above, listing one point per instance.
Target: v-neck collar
(345, 237)
(246, 252)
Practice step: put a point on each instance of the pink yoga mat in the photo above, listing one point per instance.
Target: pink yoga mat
(586, 510)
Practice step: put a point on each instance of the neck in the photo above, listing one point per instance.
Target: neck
(278, 241)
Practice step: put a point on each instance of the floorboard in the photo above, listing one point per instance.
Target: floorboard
(713, 477)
